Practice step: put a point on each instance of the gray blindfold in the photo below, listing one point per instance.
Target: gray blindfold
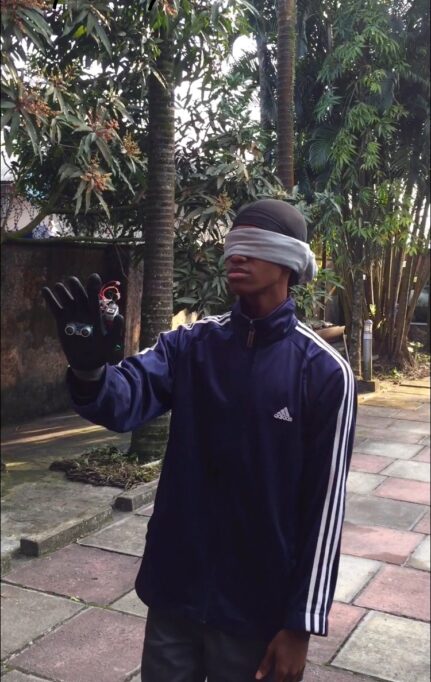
(273, 247)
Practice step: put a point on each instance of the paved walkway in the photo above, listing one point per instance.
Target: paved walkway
(72, 616)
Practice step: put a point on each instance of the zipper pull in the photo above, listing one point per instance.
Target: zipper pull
(250, 337)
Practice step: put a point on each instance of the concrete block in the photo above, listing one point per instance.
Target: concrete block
(98, 644)
(136, 497)
(17, 676)
(398, 590)
(383, 544)
(404, 489)
(146, 510)
(424, 525)
(388, 648)
(126, 536)
(27, 614)
(354, 573)
(90, 574)
(317, 673)
(382, 435)
(372, 386)
(423, 456)
(343, 618)
(409, 425)
(5, 563)
(64, 533)
(386, 448)
(373, 420)
(359, 482)
(131, 603)
(415, 471)
(370, 464)
(369, 510)
(421, 556)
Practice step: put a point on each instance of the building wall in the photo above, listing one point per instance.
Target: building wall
(32, 363)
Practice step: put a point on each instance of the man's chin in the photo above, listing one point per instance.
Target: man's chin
(241, 288)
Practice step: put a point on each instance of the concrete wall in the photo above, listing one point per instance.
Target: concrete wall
(32, 363)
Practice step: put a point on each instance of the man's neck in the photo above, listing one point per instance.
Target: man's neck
(262, 304)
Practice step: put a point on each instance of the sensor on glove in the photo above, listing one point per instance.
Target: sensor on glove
(108, 297)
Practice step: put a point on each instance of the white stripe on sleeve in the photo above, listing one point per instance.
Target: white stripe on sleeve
(332, 515)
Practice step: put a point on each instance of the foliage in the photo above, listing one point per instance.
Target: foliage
(313, 296)
(365, 142)
(65, 120)
(108, 465)
(75, 108)
(362, 134)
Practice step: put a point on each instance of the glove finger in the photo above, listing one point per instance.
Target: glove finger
(94, 285)
(79, 294)
(65, 298)
(52, 303)
(116, 332)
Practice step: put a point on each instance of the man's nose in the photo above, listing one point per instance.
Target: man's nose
(236, 258)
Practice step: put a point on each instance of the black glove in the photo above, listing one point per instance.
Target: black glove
(78, 309)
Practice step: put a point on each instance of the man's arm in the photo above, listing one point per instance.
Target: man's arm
(330, 424)
(131, 393)
(332, 414)
(120, 397)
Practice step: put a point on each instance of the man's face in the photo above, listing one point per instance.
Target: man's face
(248, 276)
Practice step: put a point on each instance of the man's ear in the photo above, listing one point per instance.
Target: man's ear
(293, 277)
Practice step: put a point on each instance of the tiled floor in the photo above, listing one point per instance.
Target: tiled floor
(81, 598)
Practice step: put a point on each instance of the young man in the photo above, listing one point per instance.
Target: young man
(242, 550)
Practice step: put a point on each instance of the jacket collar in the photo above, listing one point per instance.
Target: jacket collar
(264, 330)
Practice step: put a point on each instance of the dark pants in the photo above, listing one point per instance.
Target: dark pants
(179, 650)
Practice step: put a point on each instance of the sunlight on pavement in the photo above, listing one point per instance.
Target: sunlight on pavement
(51, 436)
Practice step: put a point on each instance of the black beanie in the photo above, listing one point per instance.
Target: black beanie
(273, 215)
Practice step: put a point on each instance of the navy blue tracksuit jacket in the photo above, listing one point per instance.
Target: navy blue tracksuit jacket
(246, 528)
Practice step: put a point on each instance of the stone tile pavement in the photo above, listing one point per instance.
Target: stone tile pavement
(72, 614)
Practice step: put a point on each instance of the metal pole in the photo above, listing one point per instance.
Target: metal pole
(367, 350)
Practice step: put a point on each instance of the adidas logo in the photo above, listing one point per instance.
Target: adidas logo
(284, 415)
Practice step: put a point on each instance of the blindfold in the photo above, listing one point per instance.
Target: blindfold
(254, 242)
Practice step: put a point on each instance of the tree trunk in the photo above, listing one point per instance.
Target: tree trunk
(157, 306)
(286, 51)
(401, 328)
(355, 349)
(266, 94)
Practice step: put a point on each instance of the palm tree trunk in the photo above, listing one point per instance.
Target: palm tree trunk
(149, 441)
(286, 51)
(266, 95)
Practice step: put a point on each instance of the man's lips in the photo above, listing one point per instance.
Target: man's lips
(237, 273)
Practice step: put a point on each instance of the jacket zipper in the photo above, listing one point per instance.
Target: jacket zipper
(251, 335)
(250, 344)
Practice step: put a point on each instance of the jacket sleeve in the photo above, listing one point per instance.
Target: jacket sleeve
(329, 433)
(133, 392)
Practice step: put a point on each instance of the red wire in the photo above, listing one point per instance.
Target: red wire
(113, 284)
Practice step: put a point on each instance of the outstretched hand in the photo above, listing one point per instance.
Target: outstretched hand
(87, 341)
(286, 656)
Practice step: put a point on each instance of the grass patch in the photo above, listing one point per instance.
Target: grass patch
(419, 369)
(108, 466)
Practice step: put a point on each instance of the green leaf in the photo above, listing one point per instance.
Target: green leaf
(39, 22)
(101, 34)
(31, 132)
(78, 196)
(103, 147)
(103, 203)
(6, 118)
(80, 32)
(25, 28)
